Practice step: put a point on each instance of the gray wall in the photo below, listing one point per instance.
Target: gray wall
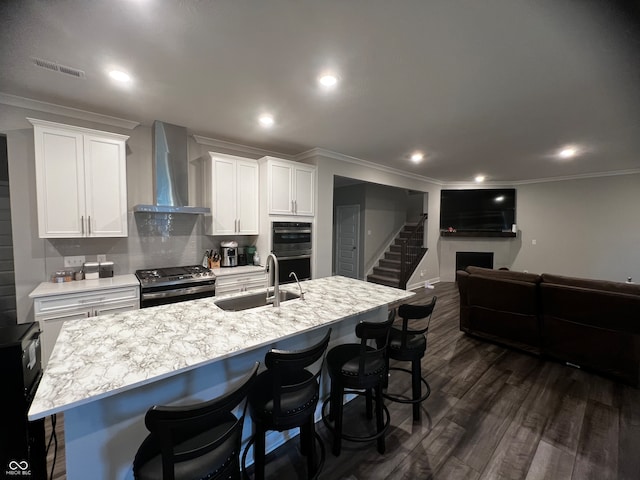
(328, 167)
(153, 241)
(383, 211)
(386, 213)
(588, 227)
(585, 227)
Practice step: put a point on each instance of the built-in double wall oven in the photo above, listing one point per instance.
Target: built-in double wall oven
(291, 243)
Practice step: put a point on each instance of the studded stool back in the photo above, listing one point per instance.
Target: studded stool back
(285, 397)
(409, 344)
(195, 441)
(359, 368)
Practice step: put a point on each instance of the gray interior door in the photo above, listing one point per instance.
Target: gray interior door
(347, 240)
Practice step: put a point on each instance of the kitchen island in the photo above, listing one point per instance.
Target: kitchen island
(105, 372)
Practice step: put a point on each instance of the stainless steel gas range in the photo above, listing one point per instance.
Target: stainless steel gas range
(160, 286)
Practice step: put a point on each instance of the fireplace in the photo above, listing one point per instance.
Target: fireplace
(476, 259)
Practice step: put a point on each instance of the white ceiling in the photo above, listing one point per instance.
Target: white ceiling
(482, 86)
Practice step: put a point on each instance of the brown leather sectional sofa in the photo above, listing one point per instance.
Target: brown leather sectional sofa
(592, 324)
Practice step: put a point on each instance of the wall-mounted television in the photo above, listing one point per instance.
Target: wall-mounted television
(481, 210)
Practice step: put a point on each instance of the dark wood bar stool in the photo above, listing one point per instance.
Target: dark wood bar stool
(409, 345)
(362, 369)
(285, 396)
(201, 440)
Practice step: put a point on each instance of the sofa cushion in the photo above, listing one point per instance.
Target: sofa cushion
(597, 308)
(504, 274)
(503, 294)
(604, 285)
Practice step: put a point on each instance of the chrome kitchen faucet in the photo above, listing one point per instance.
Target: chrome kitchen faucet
(293, 274)
(275, 299)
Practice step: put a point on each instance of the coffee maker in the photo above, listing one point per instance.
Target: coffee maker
(229, 254)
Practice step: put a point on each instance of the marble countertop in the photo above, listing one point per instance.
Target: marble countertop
(101, 356)
(226, 271)
(46, 289)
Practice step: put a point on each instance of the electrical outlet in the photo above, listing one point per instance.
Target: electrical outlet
(101, 258)
(76, 261)
(422, 273)
(534, 242)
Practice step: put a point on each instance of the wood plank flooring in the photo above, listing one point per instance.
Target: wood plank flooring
(494, 413)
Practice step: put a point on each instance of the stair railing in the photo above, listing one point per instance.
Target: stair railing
(411, 251)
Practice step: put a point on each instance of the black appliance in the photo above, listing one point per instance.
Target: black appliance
(479, 210)
(291, 243)
(22, 443)
(160, 286)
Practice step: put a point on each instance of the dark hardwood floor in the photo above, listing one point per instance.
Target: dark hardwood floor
(494, 413)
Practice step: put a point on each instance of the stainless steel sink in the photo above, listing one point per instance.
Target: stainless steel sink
(253, 300)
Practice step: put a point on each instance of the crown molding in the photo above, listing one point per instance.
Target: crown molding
(237, 147)
(582, 176)
(31, 104)
(315, 152)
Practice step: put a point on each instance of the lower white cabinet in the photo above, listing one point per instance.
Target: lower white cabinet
(240, 282)
(52, 311)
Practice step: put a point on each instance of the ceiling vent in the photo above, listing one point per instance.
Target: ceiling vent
(56, 67)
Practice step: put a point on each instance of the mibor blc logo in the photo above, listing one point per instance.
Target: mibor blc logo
(18, 468)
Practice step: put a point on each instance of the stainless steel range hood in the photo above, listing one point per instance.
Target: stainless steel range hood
(170, 172)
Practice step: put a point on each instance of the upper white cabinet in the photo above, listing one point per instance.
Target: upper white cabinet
(290, 187)
(81, 181)
(231, 191)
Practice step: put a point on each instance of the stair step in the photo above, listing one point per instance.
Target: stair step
(395, 249)
(406, 231)
(390, 282)
(390, 262)
(387, 272)
(392, 256)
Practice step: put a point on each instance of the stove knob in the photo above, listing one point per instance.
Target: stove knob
(198, 274)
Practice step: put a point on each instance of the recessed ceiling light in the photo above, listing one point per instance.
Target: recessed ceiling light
(568, 152)
(266, 120)
(479, 178)
(120, 76)
(417, 157)
(328, 80)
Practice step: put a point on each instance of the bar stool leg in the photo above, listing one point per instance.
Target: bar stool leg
(337, 434)
(416, 380)
(380, 419)
(311, 446)
(258, 453)
(369, 398)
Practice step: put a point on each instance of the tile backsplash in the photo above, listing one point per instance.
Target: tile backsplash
(155, 240)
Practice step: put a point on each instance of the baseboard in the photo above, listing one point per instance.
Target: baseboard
(430, 281)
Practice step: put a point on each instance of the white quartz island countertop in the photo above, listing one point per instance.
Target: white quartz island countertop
(102, 356)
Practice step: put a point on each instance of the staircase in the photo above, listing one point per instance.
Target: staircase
(389, 269)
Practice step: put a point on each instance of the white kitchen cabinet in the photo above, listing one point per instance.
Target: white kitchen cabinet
(290, 187)
(81, 181)
(231, 191)
(52, 311)
(240, 282)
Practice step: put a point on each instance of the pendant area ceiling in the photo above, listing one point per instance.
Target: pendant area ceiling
(493, 87)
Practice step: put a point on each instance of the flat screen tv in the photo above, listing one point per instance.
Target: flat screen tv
(482, 210)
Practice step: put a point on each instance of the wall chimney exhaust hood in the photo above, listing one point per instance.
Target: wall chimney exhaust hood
(170, 172)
